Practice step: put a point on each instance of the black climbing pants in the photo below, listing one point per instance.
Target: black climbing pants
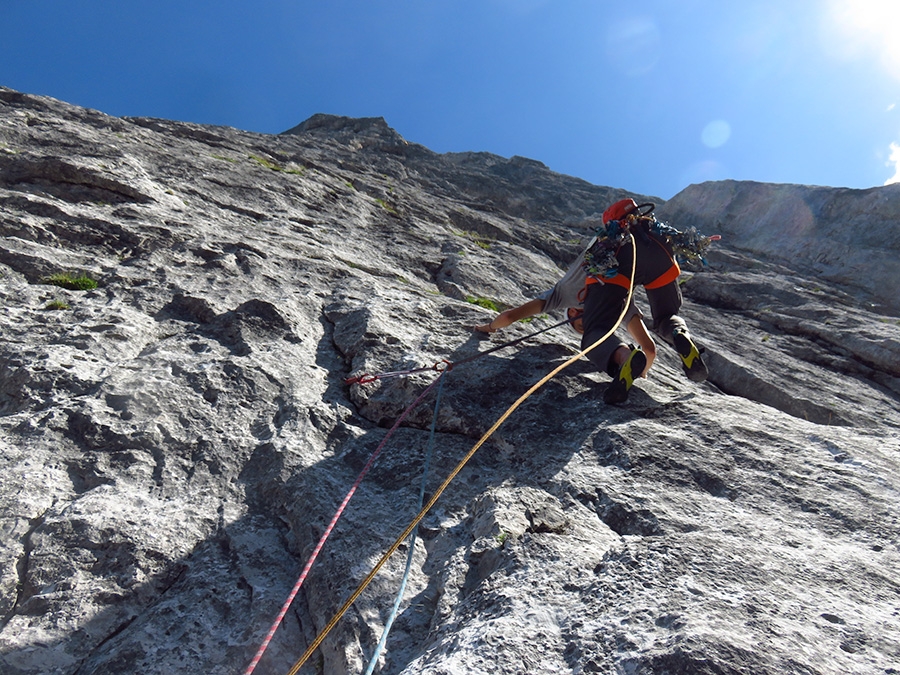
(604, 303)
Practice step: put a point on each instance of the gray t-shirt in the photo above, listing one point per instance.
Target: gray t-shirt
(570, 290)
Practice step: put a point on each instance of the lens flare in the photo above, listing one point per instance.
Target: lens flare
(633, 46)
(716, 134)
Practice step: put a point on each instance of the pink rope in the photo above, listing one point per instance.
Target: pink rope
(325, 535)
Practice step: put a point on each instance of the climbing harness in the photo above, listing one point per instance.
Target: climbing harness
(440, 490)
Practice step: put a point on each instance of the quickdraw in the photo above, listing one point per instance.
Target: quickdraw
(365, 378)
(690, 245)
(600, 259)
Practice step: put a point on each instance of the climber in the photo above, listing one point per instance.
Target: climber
(569, 292)
(596, 285)
(608, 264)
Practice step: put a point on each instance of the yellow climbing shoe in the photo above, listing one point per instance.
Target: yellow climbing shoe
(694, 367)
(617, 391)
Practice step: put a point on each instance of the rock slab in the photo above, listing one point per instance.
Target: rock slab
(175, 441)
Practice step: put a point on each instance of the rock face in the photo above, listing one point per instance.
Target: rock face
(846, 236)
(175, 441)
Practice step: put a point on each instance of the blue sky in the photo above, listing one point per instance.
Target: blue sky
(649, 95)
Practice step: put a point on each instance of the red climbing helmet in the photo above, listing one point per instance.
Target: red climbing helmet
(619, 210)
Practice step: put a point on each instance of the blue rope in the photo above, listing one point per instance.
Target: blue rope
(412, 537)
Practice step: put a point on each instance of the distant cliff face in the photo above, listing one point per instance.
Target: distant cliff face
(175, 441)
(849, 237)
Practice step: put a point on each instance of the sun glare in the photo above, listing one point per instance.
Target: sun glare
(859, 27)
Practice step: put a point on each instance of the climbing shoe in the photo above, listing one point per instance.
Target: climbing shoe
(693, 364)
(617, 391)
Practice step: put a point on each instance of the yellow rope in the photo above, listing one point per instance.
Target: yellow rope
(459, 467)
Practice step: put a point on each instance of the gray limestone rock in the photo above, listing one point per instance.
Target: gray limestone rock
(175, 441)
